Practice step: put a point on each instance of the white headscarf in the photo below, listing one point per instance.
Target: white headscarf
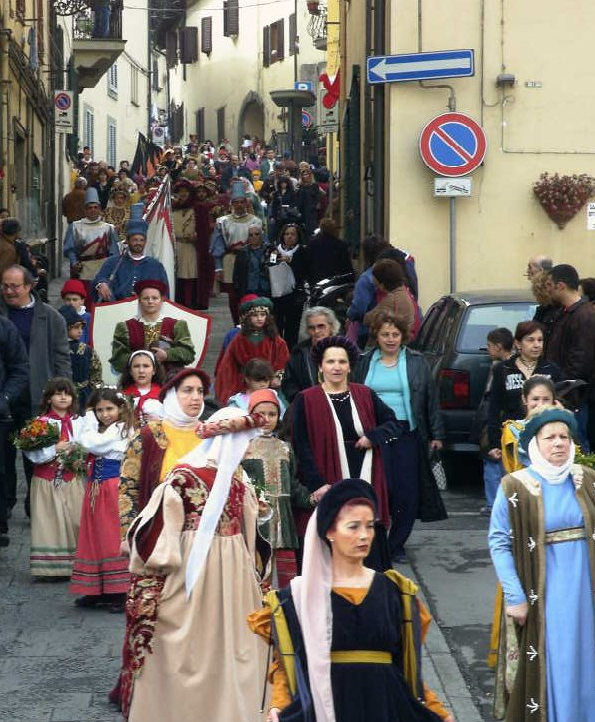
(172, 412)
(225, 451)
(552, 474)
(311, 593)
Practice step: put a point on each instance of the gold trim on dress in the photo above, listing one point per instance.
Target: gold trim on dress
(361, 656)
(565, 535)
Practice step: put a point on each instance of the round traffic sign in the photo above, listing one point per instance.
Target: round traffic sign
(453, 144)
(307, 119)
(62, 101)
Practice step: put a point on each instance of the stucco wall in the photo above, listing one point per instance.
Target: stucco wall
(529, 130)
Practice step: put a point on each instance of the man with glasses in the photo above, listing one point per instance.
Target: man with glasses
(43, 331)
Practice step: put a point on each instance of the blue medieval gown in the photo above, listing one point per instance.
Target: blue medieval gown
(569, 616)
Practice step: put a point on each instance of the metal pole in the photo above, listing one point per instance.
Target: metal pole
(453, 244)
(331, 167)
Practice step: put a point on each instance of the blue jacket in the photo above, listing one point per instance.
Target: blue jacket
(127, 273)
(14, 366)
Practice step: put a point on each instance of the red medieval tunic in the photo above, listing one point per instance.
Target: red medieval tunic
(230, 375)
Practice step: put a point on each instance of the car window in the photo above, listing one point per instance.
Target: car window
(428, 324)
(480, 320)
(446, 311)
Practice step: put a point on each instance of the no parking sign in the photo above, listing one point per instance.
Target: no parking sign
(453, 144)
(63, 115)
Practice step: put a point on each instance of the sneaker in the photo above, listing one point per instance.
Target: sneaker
(485, 511)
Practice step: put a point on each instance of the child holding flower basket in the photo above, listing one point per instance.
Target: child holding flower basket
(100, 573)
(56, 490)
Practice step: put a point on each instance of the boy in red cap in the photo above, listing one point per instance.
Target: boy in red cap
(73, 294)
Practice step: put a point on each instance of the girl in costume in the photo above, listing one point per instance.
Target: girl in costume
(100, 573)
(141, 381)
(56, 494)
(258, 338)
(368, 667)
(270, 462)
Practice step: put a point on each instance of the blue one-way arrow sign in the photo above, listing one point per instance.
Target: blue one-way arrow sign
(420, 66)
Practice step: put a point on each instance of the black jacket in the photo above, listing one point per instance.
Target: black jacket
(424, 394)
(327, 256)
(240, 274)
(300, 371)
(14, 367)
(505, 399)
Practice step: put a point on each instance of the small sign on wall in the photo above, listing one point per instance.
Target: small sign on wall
(591, 216)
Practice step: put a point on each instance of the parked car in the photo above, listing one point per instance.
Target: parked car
(452, 337)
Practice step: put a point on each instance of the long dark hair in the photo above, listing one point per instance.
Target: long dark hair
(126, 379)
(54, 386)
(118, 399)
(269, 328)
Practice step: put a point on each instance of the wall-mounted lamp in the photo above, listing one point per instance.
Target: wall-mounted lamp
(505, 80)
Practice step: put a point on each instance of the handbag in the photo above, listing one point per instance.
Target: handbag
(437, 468)
(282, 280)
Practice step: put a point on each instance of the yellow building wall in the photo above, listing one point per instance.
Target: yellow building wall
(529, 129)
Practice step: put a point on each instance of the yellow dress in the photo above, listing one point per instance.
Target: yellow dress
(511, 462)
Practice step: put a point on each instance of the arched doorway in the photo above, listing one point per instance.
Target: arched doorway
(251, 117)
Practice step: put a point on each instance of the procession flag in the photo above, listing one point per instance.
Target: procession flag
(160, 232)
(146, 157)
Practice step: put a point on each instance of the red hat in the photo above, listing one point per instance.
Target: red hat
(263, 396)
(150, 283)
(73, 286)
(176, 380)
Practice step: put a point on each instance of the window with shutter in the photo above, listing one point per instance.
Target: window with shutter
(134, 73)
(200, 123)
(292, 49)
(266, 46)
(231, 18)
(155, 76)
(206, 32)
(276, 41)
(112, 81)
(171, 48)
(88, 127)
(220, 124)
(188, 45)
(111, 154)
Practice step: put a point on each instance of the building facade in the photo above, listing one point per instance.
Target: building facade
(530, 93)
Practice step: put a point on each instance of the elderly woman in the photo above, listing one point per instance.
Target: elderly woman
(369, 667)
(196, 560)
(543, 548)
(339, 429)
(403, 380)
(160, 444)
(168, 338)
(318, 322)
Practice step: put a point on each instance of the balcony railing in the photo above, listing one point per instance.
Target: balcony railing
(317, 26)
(103, 23)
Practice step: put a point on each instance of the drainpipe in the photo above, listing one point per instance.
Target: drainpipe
(379, 109)
(5, 38)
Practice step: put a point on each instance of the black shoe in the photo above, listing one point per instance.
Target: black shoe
(4, 540)
(485, 511)
(88, 601)
(399, 557)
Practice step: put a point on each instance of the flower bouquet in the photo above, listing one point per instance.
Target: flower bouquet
(73, 459)
(36, 434)
(265, 510)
